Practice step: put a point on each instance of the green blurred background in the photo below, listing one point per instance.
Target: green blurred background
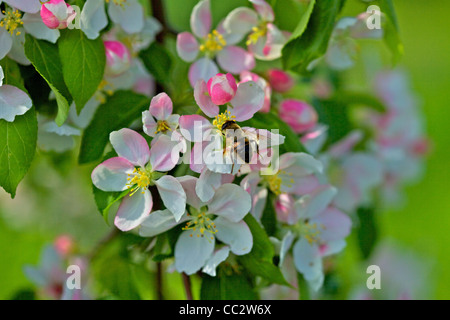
(55, 197)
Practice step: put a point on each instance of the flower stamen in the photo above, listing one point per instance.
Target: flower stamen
(201, 225)
(220, 119)
(214, 42)
(11, 21)
(138, 179)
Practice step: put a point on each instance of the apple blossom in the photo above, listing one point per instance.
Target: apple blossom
(118, 58)
(319, 231)
(136, 169)
(264, 85)
(265, 40)
(204, 45)
(218, 219)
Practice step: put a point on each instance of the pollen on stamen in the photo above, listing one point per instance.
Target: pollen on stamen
(12, 21)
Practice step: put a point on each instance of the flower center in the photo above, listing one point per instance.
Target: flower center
(201, 224)
(258, 32)
(118, 2)
(162, 126)
(311, 232)
(11, 21)
(105, 89)
(274, 182)
(220, 119)
(138, 179)
(214, 42)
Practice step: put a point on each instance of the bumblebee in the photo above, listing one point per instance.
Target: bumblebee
(236, 137)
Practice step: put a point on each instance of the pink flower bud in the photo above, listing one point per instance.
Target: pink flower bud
(280, 81)
(118, 58)
(299, 115)
(222, 88)
(56, 14)
(64, 245)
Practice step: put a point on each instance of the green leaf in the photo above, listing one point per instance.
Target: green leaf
(158, 62)
(269, 219)
(45, 58)
(12, 73)
(313, 42)
(17, 149)
(118, 112)
(367, 231)
(83, 64)
(301, 26)
(259, 262)
(227, 287)
(105, 200)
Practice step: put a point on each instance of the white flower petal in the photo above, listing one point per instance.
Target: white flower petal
(130, 16)
(218, 257)
(13, 102)
(172, 195)
(236, 234)
(230, 201)
(133, 210)
(112, 174)
(130, 145)
(192, 252)
(158, 222)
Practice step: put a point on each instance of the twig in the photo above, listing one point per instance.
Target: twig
(187, 286)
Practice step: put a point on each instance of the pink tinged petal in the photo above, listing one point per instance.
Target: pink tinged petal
(280, 80)
(332, 247)
(197, 162)
(241, 21)
(235, 59)
(311, 205)
(202, 69)
(307, 259)
(217, 258)
(172, 195)
(149, 123)
(264, 9)
(203, 99)
(230, 201)
(133, 210)
(259, 200)
(269, 47)
(201, 19)
(193, 127)
(111, 175)
(299, 115)
(192, 252)
(189, 185)
(336, 225)
(300, 164)
(207, 184)
(161, 106)
(250, 182)
(158, 222)
(30, 6)
(249, 99)
(222, 88)
(13, 102)
(285, 209)
(187, 46)
(130, 145)
(236, 234)
(300, 185)
(163, 154)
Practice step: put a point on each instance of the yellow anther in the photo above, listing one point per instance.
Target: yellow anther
(311, 232)
(257, 33)
(140, 180)
(202, 223)
(118, 2)
(11, 21)
(162, 126)
(220, 119)
(214, 42)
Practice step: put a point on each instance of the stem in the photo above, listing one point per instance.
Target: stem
(159, 285)
(187, 286)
